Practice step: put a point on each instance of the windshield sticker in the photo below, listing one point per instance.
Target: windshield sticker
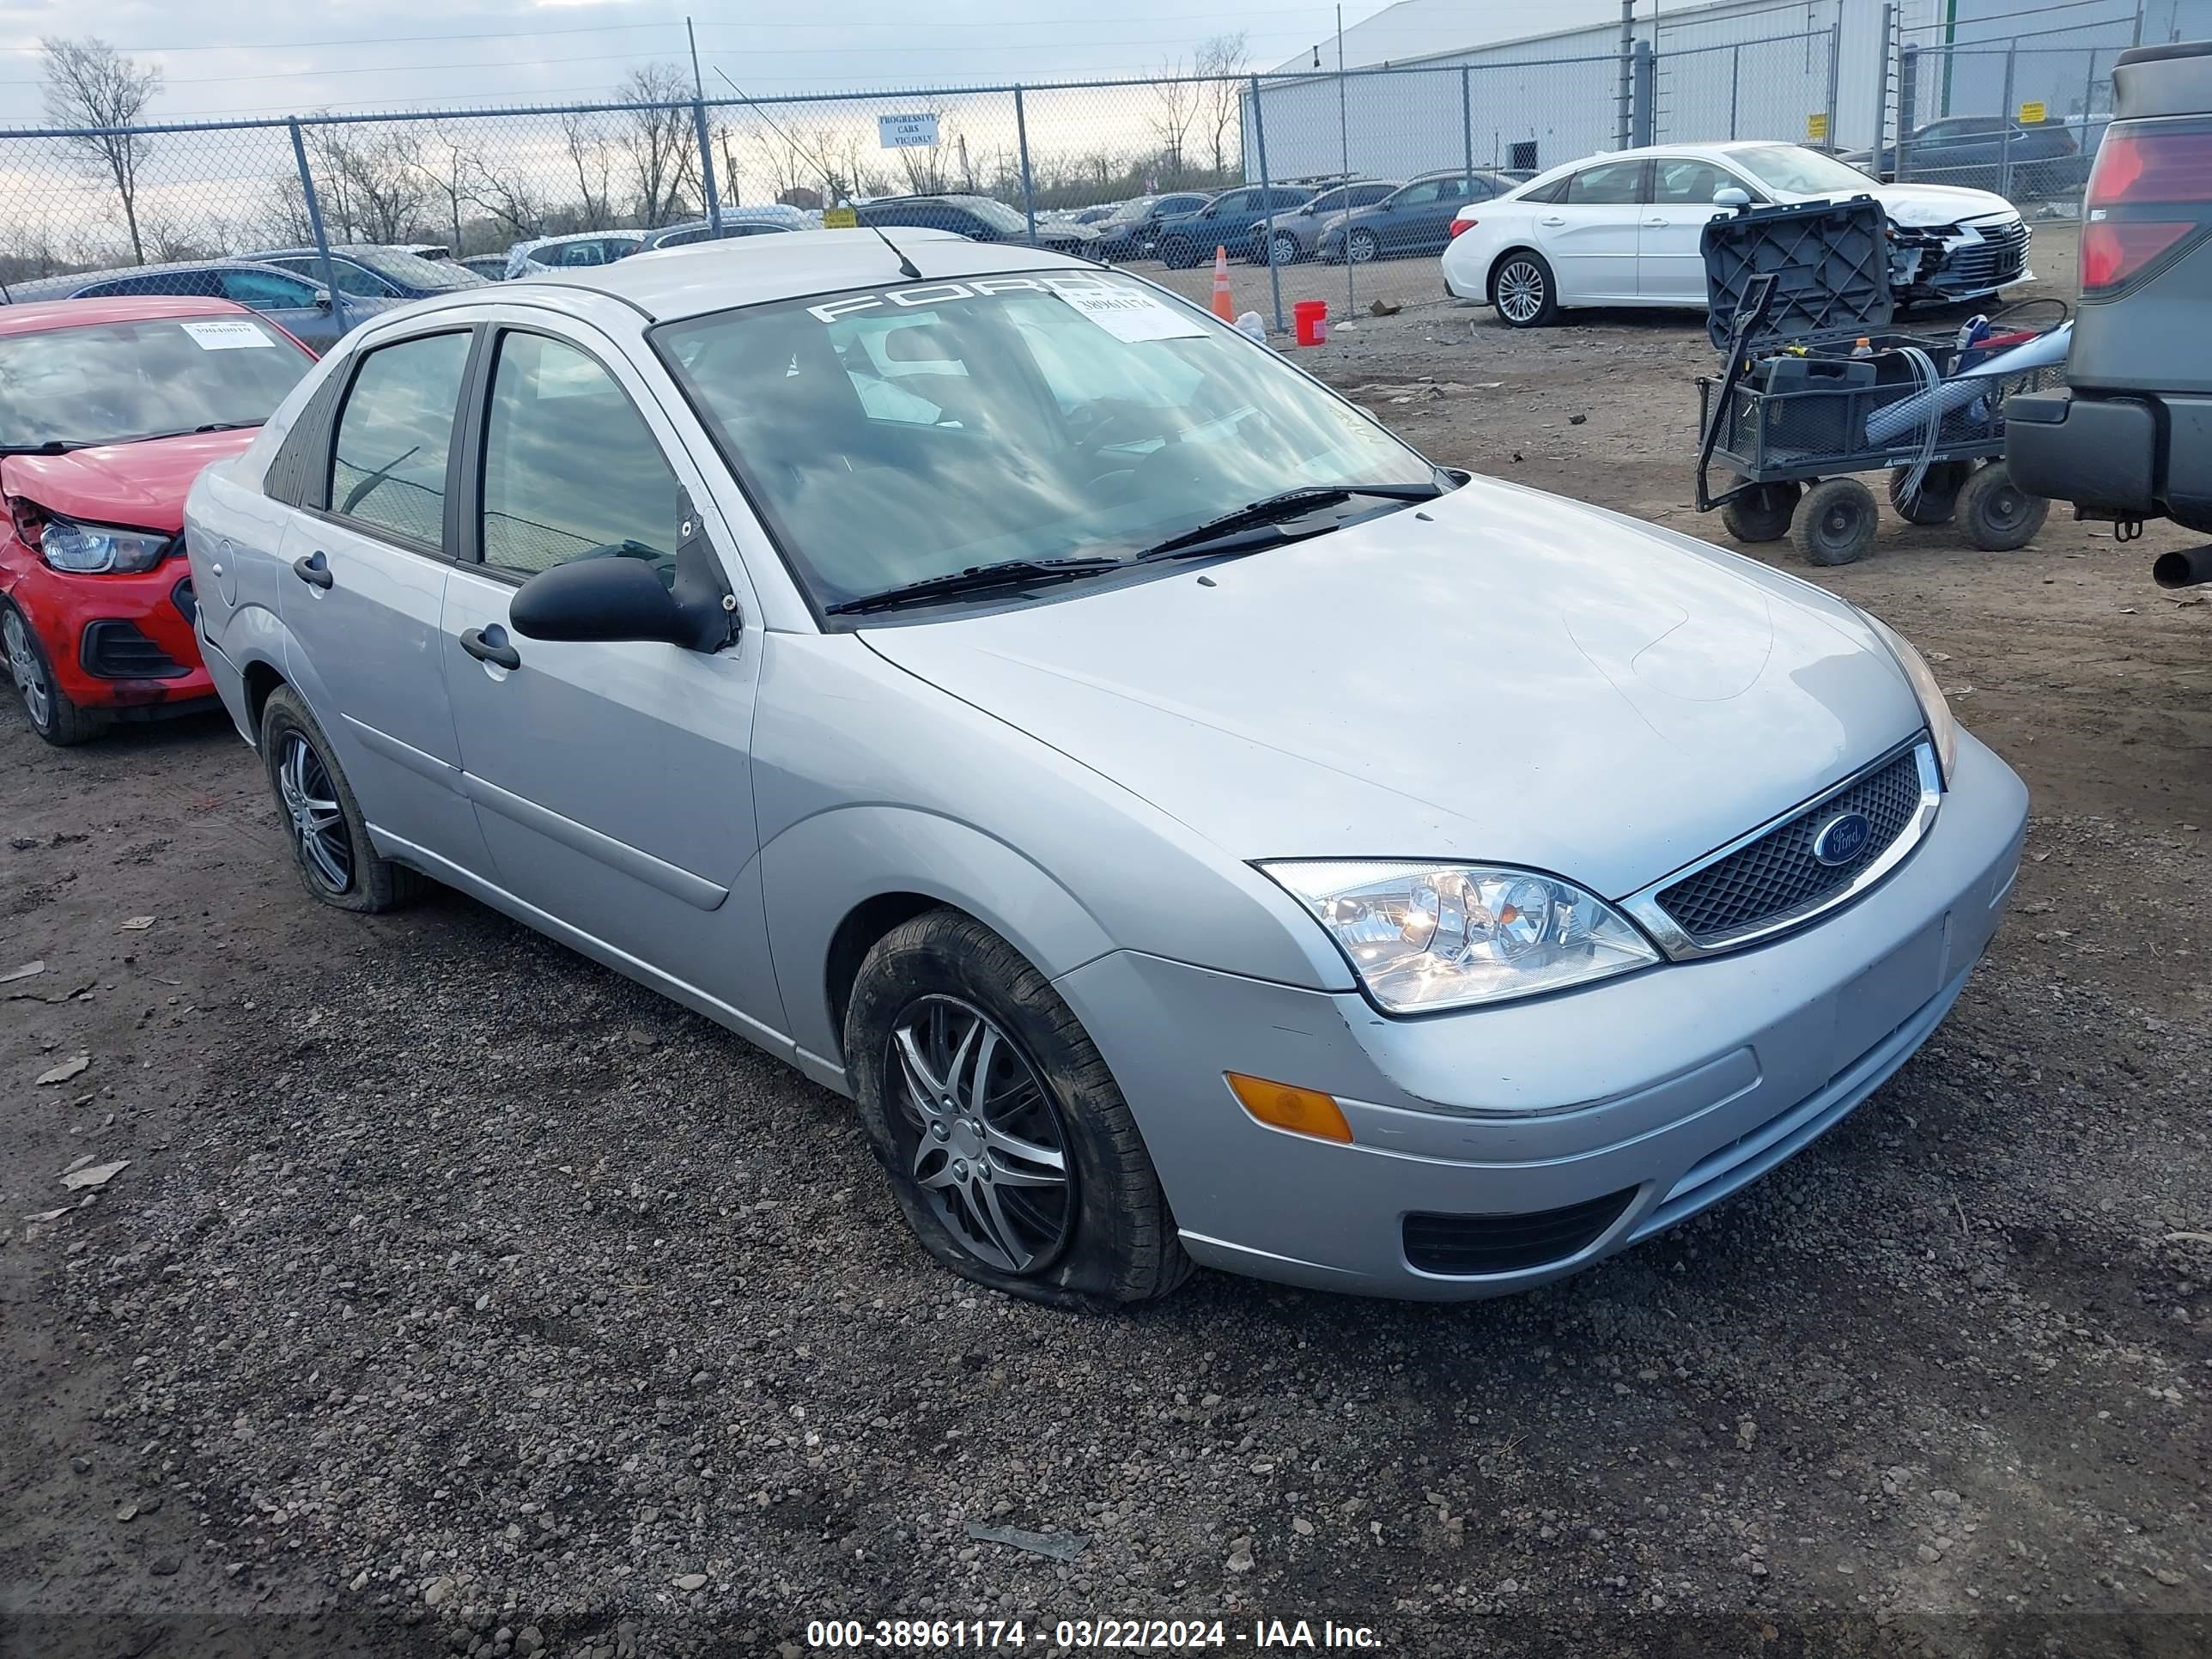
(226, 336)
(1130, 314)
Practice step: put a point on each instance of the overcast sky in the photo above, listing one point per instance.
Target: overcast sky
(224, 59)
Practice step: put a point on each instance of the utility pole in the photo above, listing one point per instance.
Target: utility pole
(706, 147)
(1344, 153)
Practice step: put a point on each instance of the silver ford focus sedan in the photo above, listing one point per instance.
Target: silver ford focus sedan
(1189, 825)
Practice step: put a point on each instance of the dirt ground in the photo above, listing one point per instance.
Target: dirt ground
(458, 1296)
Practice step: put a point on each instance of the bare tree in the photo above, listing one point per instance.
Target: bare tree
(89, 84)
(385, 186)
(443, 164)
(1223, 57)
(661, 143)
(510, 198)
(587, 152)
(1175, 101)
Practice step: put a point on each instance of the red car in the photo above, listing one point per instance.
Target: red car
(108, 409)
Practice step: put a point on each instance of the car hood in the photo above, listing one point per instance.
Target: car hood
(1921, 207)
(137, 486)
(1518, 679)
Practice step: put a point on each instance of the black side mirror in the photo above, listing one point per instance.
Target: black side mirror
(618, 598)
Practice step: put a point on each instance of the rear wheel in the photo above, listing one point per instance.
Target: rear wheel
(52, 715)
(1996, 514)
(1836, 522)
(1006, 1141)
(322, 820)
(1522, 292)
(1176, 254)
(1938, 498)
(1763, 513)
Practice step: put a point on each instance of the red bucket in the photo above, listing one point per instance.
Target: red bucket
(1310, 318)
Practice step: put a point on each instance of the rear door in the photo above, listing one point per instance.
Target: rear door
(612, 783)
(361, 602)
(1589, 235)
(1670, 252)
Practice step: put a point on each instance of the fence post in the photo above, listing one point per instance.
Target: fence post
(1735, 85)
(1625, 98)
(1022, 139)
(706, 166)
(315, 223)
(1835, 70)
(1908, 103)
(1266, 195)
(1881, 90)
(2004, 135)
(1646, 108)
(1467, 120)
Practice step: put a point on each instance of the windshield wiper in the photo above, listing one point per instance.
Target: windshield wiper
(976, 578)
(1223, 534)
(51, 446)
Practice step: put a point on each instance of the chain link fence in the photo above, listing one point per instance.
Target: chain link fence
(1333, 186)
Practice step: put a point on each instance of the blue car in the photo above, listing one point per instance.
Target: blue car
(301, 307)
(1183, 240)
(365, 271)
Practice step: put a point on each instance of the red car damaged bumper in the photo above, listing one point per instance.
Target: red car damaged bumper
(122, 643)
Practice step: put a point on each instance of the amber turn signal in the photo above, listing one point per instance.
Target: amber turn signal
(1280, 1106)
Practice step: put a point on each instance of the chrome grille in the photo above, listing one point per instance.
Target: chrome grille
(2002, 256)
(1777, 874)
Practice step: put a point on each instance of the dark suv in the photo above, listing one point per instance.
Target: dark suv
(979, 218)
(2130, 437)
(1183, 240)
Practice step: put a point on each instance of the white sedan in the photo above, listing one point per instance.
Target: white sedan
(1622, 229)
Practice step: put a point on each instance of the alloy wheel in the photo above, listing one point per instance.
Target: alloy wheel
(1287, 249)
(318, 822)
(30, 674)
(988, 1147)
(1521, 292)
(1362, 246)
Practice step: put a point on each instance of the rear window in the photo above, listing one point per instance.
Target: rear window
(115, 382)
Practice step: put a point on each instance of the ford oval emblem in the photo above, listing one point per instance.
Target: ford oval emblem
(1842, 838)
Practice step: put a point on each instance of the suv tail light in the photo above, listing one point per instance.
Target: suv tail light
(2151, 186)
(1458, 225)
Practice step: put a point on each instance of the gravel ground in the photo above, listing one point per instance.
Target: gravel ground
(458, 1296)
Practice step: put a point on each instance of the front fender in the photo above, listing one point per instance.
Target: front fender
(821, 869)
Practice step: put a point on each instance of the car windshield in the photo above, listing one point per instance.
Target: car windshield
(897, 436)
(993, 213)
(112, 382)
(1128, 210)
(415, 271)
(1794, 170)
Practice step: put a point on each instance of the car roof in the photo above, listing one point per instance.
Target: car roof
(580, 236)
(38, 316)
(61, 285)
(702, 277)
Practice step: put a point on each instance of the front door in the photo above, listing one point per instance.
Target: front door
(1669, 247)
(1589, 235)
(365, 594)
(612, 781)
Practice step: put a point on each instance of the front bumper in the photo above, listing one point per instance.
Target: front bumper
(1659, 1093)
(2129, 457)
(116, 642)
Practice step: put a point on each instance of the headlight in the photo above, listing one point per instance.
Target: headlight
(1424, 937)
(96, 549)
(1933, 706)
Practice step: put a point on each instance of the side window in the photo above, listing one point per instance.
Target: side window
(1680, 182)
(570, 469)
(264, 291)
(198, 284)
(1419, 195)
(580, 253)
(388, 462)
(1368, 195)
(358, 280)
(1554, 192)
(684, 237)
(1611, 183)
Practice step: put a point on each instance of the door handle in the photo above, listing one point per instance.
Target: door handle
(473, 641)
(1553, 218)
(314, 569)
(1655, 224)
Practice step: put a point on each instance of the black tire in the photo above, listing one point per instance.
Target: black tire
(1287, 251)
(1836, 522)
(1362, 248)
(1118, 1242)
(370, 884)
(61, 722)
(1522, 290)
(1763, 514)
(1996, 514)
(1938, 499)
(1177, 254)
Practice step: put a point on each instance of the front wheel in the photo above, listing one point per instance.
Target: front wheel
(1178, 255)
(1996, 514)
(1287, 251)
(1938, 496)
(1836, 522)
(1363, 246)
(1522, 291)
(52, 715)
(1005, 1139)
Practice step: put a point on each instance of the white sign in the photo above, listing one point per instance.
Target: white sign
(907, 131)
(1130, 314)
(226, 336)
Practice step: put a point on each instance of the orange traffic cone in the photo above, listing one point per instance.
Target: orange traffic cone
(1224, 306)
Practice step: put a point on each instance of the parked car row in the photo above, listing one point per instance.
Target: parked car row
(905, 674)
